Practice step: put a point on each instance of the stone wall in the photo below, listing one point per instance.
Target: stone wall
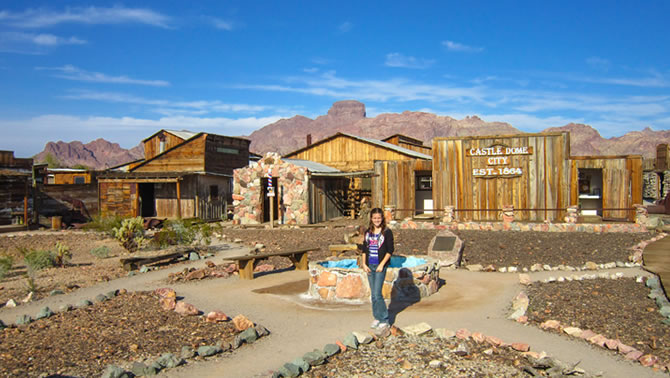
(403, 284)
(650, 185)
(292, 185)
(666, 183)
(517, 226)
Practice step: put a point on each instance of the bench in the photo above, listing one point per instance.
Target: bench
(247, 263)
(338, 250)
(133, 263)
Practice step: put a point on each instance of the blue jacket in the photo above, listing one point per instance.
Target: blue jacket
(385, 244)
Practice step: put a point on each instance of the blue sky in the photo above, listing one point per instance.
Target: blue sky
(121, 71)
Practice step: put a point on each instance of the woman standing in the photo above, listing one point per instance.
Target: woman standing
(377, 250)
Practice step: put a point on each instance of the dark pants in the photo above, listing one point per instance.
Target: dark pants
(376, 280)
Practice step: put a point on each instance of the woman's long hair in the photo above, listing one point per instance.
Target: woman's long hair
(371, 226)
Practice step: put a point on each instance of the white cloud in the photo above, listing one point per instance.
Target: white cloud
(598, 63)
(345, 27)
(167, 107)
(221, 24)
(30, 135)
(41, 18)
(402, 61)
(459, 47)
(310, 70)
(70, 72)
(34, 43)
(397, 89)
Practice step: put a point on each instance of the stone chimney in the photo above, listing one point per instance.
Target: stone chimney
(309, 140)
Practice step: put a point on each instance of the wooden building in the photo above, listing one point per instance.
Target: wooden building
(351, 153)
(69, 176)
(408, 143)
(534, 174)
(16, 198)
(184, 174)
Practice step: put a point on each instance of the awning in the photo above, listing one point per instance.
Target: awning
(360, 174)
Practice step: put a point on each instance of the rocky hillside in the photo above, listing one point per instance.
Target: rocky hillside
(290, 134)
(287, 135)
(98, 154)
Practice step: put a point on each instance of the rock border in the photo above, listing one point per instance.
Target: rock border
(521, 301)
(249, 332)
(408, 223)
(353, 340)
(635, 260)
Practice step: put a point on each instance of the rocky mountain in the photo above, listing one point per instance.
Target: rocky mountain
(288, 135)
(585, 140)
(98, 154)
(349, 116)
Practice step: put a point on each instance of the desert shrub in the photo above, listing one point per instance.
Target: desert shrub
(61, 254)
(101, 252)
(131, 234)
(6, 263)
(36, 259)
(183, 232)
(105, 225)
(30, 283)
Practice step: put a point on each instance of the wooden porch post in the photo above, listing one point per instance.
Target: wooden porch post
(178, 200)
(25, 206)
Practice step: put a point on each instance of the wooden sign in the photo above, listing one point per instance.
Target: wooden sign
(496, 157)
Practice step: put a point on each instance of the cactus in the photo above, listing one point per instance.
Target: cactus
(131, 234)
(62, 254)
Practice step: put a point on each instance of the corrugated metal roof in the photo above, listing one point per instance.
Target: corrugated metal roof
(183, 134)
(312, 166)
(390, 146)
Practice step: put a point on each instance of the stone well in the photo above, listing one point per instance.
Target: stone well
(334, 284)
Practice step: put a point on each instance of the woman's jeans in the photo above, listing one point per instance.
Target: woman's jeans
(376, 280)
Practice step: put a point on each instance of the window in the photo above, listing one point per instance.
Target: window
(213, 192)
(226, 150)
(79, 180)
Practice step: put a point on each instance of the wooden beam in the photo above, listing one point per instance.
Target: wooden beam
(178, 200)
(25, 206)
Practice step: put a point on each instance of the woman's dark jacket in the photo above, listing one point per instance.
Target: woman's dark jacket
(385, 244)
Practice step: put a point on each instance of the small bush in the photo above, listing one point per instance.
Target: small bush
(131, 234)
(37, 259)
(62, 254)
(30, 284)
(101, 252)
(105, 225)
(6, 263)
(183, 232)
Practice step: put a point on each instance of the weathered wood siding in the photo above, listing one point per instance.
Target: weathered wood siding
(189, 157)
(394, 184)
(224, 154)
(51, 198)
(69, 178)
(13, 190)
(118, 198)
(152, 145)
(662, 157)
(622, 183)
(542, 184)
(328, 198)
(347, 154)
(402, 142)
(212, 204)
(166, 198)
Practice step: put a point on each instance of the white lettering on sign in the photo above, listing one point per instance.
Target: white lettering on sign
(499, 151)
(498, 160)
(497, 172)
